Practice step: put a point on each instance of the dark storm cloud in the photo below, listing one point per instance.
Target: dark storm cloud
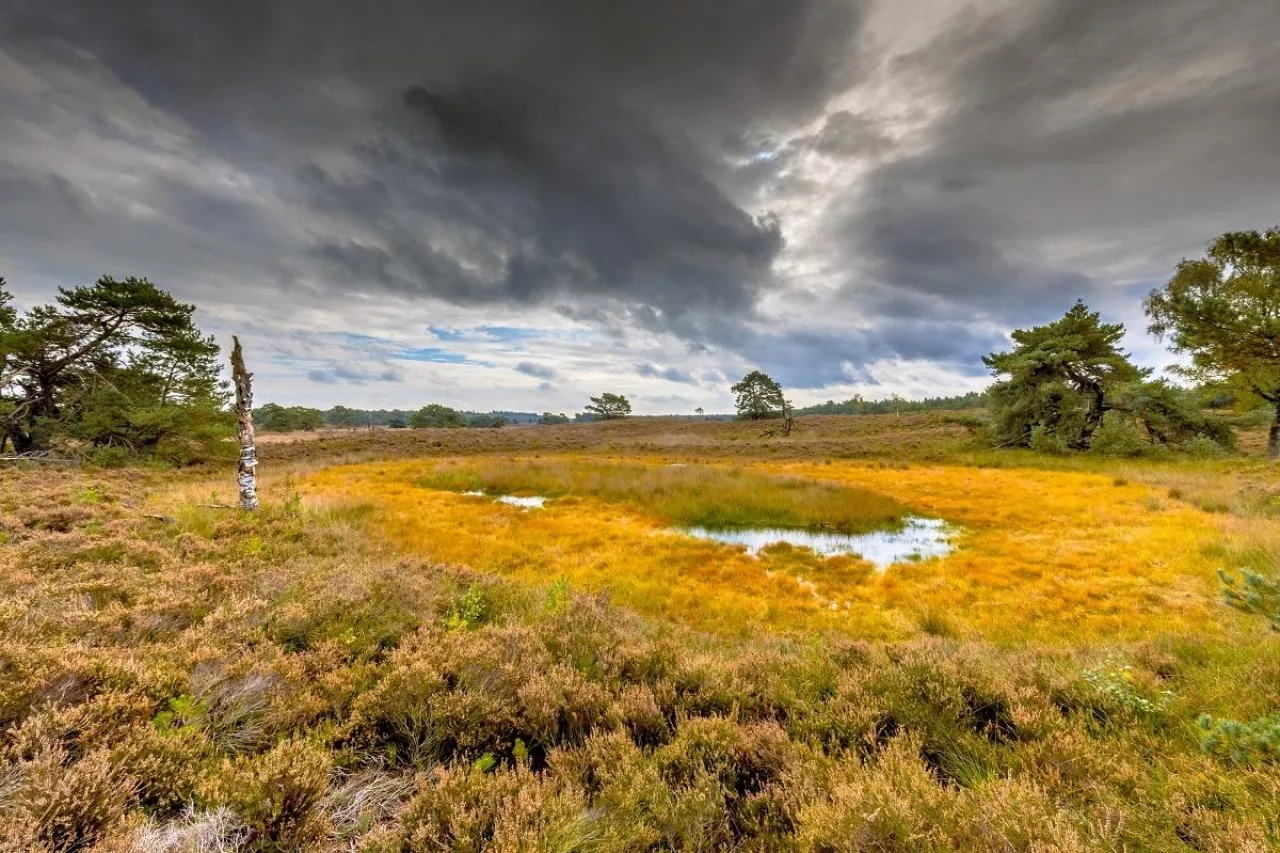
(608, 160)
(817, 358)
(506, 151)
(1079, 137)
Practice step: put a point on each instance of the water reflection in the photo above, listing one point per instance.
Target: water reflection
(919, 539)
(533, 502)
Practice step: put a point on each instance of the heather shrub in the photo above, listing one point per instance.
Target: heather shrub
(422, 713)
(166, 764)
(506, 811)
(367, 624)
(561, 707)
(67, 805)
(230, 683)
(277, 794)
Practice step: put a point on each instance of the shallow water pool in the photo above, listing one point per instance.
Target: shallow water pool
(532, 502)
(919, 539)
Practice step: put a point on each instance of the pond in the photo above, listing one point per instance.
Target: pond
(532, 502)
(919, 539)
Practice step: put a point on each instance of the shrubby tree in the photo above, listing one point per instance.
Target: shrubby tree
(437, 416)
(609, 406)
(1223, 311)
(1069, 387)
(1058, 377)
(1168, 415)
(758, 397)
(117, 363)
(548, 419)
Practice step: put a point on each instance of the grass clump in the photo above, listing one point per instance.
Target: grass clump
(695, 495)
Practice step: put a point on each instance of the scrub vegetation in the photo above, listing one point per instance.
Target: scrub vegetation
(375, 662)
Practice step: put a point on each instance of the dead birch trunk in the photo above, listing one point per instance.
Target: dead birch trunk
(247, 467)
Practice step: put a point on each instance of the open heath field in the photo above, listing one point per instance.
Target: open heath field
(1054, 556)
(511, 640)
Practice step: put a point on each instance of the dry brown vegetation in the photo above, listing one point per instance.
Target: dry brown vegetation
(178, 678)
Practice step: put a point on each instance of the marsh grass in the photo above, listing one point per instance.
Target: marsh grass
(165, 686)
(716, 497)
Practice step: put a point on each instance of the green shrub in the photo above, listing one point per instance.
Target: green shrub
(469, 610)
(1253, 742)
(1253, 593)
(110, 456)
(1043, 441)
(1203, 447)
(1116, 436)
(1112, 681)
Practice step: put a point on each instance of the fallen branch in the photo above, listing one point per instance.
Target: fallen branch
(40, 456)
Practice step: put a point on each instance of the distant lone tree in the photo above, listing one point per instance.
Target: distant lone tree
(758, 397)
(609, 407)
(698, 411)
(1059, 377)
(1223, 311)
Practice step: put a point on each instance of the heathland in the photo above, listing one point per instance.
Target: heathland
(378, 661)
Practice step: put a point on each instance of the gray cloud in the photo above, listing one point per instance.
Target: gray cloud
(670, 374)
(677, 171)
(353, 375)
(537, 371)
(1084, 142)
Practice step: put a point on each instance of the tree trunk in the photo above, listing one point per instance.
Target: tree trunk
(1273, 441)
(1093, 417)
(247, 467)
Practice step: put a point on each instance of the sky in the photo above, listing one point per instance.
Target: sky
(510, 204)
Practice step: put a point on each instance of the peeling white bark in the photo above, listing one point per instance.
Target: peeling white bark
(247, 466)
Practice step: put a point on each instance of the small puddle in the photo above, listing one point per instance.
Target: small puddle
(919, 539)
(534, 502)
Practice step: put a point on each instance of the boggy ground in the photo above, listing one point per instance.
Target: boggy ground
(1044, 555)
(175, 677)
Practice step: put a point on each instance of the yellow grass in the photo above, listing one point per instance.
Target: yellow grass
(1044, 555)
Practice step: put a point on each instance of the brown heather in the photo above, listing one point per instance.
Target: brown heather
(179, 678)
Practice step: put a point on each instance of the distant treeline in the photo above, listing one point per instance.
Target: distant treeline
(856, 405)
(276, 418)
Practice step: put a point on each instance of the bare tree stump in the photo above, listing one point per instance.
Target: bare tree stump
(247, 467)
